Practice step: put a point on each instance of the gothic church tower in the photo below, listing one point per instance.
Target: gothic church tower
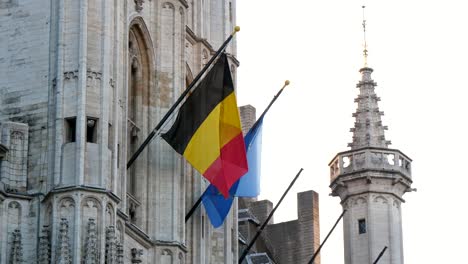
(82, 83)
(370, 180)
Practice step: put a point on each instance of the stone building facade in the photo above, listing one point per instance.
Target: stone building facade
(370, 180)
(293, 241)
(82, 83)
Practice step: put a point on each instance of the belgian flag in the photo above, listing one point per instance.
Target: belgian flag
(207, 131)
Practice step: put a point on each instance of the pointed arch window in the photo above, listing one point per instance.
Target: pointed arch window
(133, 106)
(139, 68)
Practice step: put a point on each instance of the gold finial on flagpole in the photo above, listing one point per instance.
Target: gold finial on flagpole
(365, 40)
(286, 83)
(236, 29)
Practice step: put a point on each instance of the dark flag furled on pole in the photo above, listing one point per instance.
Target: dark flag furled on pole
(207, 131)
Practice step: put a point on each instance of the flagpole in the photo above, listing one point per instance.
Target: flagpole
(179, 100)
(198, 202)
(323, 243)
(246, 251)
(380, 255)
(194, 207)
(286, 83)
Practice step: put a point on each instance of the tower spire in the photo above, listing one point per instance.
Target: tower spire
(370, 180)
(365, 51)
(368, 130)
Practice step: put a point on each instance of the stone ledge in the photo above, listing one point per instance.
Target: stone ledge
(171, 244)
(371, 192)
(139, 235)
(114, 197)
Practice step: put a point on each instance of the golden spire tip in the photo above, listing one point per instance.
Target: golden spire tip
(286, 82)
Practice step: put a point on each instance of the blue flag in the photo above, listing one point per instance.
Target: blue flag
(216, 205)
(249, 184)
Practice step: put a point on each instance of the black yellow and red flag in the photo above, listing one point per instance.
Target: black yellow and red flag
(207, 131)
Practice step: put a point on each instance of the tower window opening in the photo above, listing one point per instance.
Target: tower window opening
(70, 129)
(118, 155)
(362, 226)
(91, 130)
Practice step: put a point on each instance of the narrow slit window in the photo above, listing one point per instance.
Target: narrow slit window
(362, 226)
(118, 155)
(70, 129)
(91, 130)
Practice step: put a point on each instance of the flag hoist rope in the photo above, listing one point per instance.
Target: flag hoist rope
(181, 97)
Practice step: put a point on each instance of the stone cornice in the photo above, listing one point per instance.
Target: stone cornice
(191, 35)
(139, 235)
(372, 192)
(370, 148)
(192, 38)
(123, 215)
(22, 196)
(233, 59)
(340, 178)
(109, 193)
(171, 244)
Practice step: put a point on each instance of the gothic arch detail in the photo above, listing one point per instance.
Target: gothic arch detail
(168, 5)
(360, 200)
(91, 208)
(14, 216)
(140, 72)
(166, 256)
(109, 215)
(66, 208)
(380, 199)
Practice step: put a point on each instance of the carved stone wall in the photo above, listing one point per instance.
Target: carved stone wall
(15, 165)
(66, 73)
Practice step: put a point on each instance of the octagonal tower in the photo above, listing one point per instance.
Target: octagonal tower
(370, 180)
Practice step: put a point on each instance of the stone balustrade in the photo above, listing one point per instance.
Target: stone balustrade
(369, 159)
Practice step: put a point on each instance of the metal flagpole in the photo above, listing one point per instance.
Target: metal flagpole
(198, 202)
(179, 100)
(194, 207)
(325, 240)
(380, 255)
(246, 251)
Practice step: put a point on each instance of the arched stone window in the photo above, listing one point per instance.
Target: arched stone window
(139, 70)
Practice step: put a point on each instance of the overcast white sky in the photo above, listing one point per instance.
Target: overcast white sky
(419, 52)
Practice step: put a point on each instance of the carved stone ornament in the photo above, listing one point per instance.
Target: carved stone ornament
(139, 5)
(63, 255)
(16, 255)
(44, 246)
(136, 255)
(111, 246)
(91, 246)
